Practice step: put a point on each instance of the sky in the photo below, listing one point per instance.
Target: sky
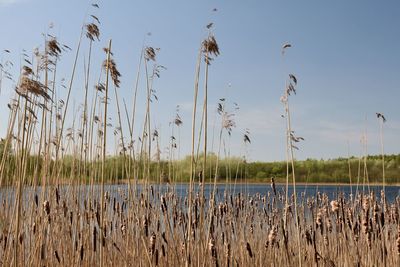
(344, 55)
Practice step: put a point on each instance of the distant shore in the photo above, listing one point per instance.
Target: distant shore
(268, 183)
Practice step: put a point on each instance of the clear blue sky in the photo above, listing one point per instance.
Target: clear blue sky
(345, 55)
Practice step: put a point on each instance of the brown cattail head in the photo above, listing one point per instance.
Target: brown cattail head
(365, 204)
(249, 251)
(365, 225)
(273, 185)
(398, 241)
(318, 220)
(57, 256)
(398, 245)
(145, 224)
(164, 207)
(164, 237)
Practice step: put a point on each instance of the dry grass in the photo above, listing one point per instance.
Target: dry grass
(244, 230)
(51, 216)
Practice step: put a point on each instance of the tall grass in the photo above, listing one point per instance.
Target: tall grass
(61, 204)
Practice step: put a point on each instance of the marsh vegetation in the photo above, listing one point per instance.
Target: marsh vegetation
(58, 210)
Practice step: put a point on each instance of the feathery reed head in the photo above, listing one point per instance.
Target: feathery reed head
(380, 116)
(92, 31)
(27, 71)
(53, 47)
(246, 136)
(210, 47)
(178, 121)
(284, 47)
(150, 53)
(115, 74)
(28, 85)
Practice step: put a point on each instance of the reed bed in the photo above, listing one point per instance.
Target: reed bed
(245, 230)
(59, 209)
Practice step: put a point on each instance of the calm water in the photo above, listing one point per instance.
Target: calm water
(392, 192)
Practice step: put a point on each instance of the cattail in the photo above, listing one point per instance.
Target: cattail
(251, 228)
(94, 240)
(273, 185)
(249, 251)
(183, 247)
(227, 250)
(318, 220)
(213, 251)
(34, 228)
(365, 204)
(57, 256)
(376, 213)
(43, 252)
(156, 257)
(163, 204)
(57, 196)
(46, 207)
(329, 225)
(145, 224)
(164, 238)
(81, 253)
(369, 235)
(152, 243)
(308, 236)
(163, 251)
(334, 206)
(365, 224)
(21, 238)
(398, 242)
(394, 213)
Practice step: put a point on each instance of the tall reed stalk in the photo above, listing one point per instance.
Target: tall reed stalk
(107, 68)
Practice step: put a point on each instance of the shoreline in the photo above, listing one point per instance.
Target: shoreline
(269, 183)
(64, 182)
